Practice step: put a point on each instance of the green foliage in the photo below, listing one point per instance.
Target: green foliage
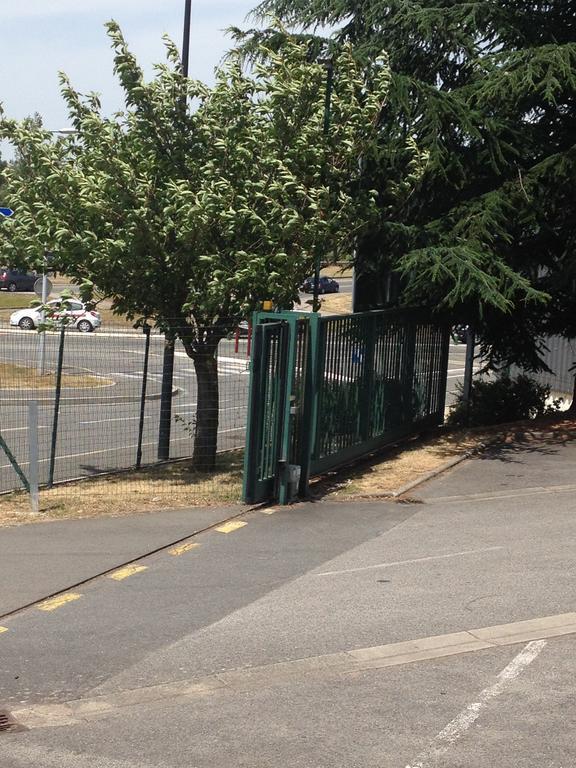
(195, 203)
(488, 92)
(503, 400)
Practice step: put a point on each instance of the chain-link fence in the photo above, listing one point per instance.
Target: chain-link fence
(101, 411)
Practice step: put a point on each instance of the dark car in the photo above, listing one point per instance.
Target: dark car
(325, 285)
(17, 279)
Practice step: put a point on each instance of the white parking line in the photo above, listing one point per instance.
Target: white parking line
(457, 727)
(408, 562)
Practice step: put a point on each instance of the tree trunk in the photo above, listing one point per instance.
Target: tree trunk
(207, 406)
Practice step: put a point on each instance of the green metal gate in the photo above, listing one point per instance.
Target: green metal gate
(265, 409)
(326, 390)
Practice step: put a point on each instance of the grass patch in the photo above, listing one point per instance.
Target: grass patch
(21, 377)
(16, 300)
(168, 486)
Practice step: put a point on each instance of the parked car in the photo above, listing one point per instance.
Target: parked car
(17, 279)
(325, 285)
(83, 319)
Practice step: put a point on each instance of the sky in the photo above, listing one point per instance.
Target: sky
(38, 38)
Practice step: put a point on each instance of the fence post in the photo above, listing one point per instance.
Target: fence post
(253, 425)
(368, 378)
(444, 360)
(33, 455)
(166, 401)
(146, 330)
(311, 397)
(57, 395)
(286, 418)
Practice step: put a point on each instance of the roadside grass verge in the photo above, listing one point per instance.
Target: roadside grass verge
(16, 377)
(167, 486)
(385, 472)
(16, 300)
(174, 485)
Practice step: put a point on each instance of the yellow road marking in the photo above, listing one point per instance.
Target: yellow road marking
(129, 570)
(233, 525)
(181, 548)
(3, 629)
(57, 602)
(269, 511)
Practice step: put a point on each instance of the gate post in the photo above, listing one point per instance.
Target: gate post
(286, 418)
(254, 415)
(311, 400)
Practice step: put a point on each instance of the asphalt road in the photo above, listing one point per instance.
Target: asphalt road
(275, 642)
(99, 432)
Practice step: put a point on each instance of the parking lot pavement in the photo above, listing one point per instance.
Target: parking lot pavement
(533, 463)
(512, 707)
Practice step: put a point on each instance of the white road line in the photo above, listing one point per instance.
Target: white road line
(408, 562)
(19, 429)
(113, 450)
(457, 727)
(135, 418)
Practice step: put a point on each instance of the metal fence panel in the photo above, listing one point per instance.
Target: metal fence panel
(383, 376)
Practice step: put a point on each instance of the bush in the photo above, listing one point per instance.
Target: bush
(502, 400)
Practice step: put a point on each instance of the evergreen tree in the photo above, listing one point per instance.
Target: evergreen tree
(489, 91)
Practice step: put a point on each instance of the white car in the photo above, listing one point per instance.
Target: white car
(79, 317)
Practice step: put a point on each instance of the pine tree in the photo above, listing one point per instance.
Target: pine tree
(488, 89)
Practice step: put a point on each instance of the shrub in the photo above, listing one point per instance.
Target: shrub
(501, 400)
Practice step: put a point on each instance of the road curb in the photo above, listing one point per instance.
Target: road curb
(433, 473)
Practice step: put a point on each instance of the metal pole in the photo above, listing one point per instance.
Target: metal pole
(186, 40)
(33, 455)
(326, 129)
(146, 330)
(42, 340)
(56, 407)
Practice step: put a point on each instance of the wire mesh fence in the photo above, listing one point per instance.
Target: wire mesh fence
(101, 411)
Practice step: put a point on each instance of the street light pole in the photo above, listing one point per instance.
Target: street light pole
(168, 361)
(186, 40)
(328, 63)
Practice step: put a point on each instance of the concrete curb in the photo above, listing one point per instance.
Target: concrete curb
(433, 473)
